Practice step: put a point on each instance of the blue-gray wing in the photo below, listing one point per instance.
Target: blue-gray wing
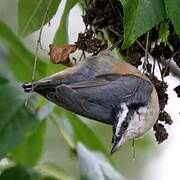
(110, 90)
(96, 98)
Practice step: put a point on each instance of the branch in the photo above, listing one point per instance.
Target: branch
(173, 68)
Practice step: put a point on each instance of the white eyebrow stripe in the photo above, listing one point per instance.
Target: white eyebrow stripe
(121, 117)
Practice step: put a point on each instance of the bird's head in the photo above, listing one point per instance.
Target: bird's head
(133, 123)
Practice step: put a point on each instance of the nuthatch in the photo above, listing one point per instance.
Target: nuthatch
(107, 90)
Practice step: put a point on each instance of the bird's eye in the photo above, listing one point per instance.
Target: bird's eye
(125, 124)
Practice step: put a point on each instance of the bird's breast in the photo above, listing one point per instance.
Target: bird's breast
(148, 115)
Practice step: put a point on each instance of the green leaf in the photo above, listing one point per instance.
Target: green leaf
(139, 17)
(31, 14)
(75, 130)
(53, 170)
(123, 2)
(19, 173)
(94, 165)
(45, 108)
(22, 60)
(5, 71)
(173, 11)
(16, 119)
(61, 36)
(3, 80)
(29, 152)
(164, 31)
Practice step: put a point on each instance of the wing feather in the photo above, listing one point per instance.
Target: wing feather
(109, 90)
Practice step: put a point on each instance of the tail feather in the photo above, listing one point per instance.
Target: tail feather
(40, 86)
(27, 87)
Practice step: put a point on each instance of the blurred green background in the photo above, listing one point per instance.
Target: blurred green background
(41, 141)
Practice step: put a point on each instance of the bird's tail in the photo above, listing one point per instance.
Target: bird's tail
(40, 86)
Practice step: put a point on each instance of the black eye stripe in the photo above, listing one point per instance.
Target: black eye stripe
(123, 128)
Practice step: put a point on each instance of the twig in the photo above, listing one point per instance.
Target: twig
(133, 149)
(146, 50)
(143, 48)
(166, 67)
(38, 45)
(162, 78)
(174, 69)
(144, 66)
(172, 66)
(31, 17)
(154, 64)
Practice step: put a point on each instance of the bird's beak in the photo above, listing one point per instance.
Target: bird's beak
(117, 144)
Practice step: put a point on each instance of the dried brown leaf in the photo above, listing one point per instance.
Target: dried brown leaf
(60, 54)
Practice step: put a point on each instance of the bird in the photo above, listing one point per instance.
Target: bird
(105, 89)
